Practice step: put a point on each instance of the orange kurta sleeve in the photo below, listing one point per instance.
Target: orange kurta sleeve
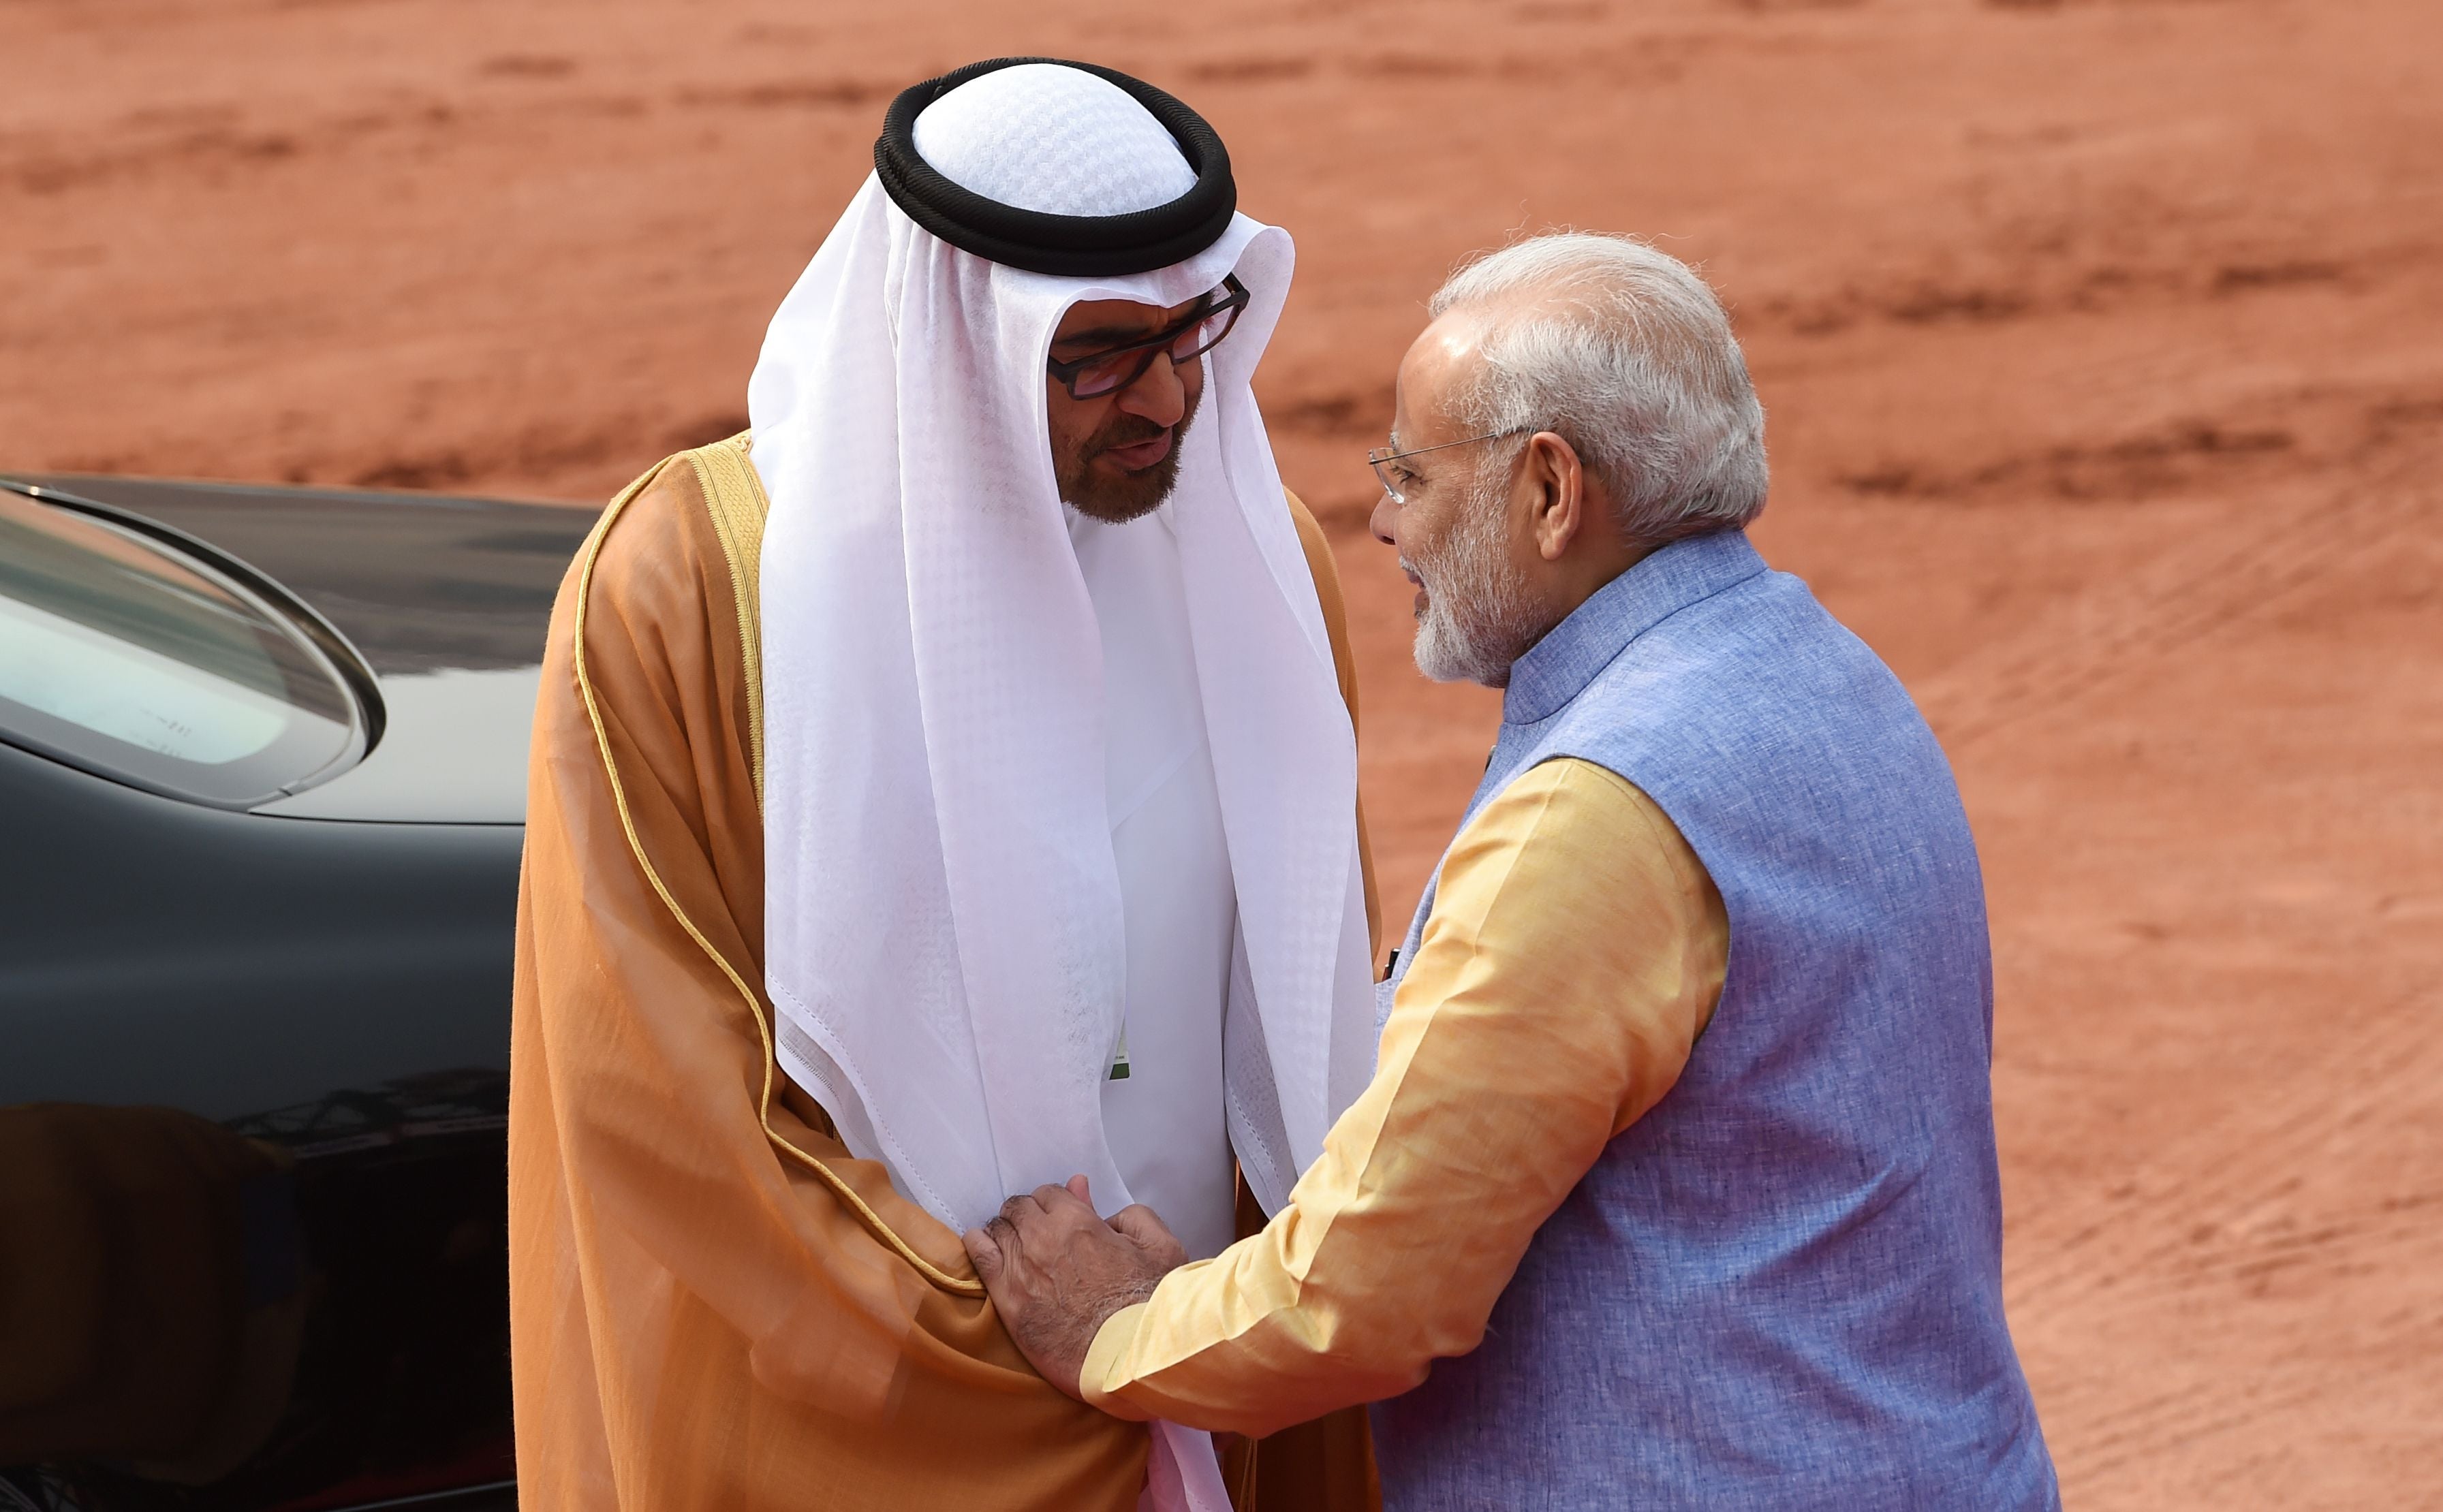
(1575, 950)
(712, 1305)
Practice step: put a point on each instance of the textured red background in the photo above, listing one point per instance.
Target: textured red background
(2100, 345)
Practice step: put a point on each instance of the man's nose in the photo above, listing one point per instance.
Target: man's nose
(1160, 396)
(1380, 520)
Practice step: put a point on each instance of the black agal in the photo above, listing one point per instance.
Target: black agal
(1070, 245)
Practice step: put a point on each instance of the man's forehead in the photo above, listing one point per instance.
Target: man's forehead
(1446, 346)
(1118, 318)
(1442, 351)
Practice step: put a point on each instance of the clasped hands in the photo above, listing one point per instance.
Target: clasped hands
(1055, 1271)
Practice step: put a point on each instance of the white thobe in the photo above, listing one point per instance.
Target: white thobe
(1165, 1120)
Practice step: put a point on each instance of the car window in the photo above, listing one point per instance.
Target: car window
(120, 655)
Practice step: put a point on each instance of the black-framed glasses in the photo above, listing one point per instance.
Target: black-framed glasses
(1381, 458)
(1090, 377)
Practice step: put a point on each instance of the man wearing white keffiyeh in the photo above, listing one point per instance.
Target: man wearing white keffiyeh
(1045, 713)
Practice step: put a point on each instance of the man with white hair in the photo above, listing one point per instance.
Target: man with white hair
(1676, 1184)
(987, 814)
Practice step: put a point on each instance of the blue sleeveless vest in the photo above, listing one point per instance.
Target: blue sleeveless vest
(1781, 1288)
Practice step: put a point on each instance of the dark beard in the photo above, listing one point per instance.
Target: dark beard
(1118, 500)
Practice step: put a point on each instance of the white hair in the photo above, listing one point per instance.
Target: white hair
(1626, 353)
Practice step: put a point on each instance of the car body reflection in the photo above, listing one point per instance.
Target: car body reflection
(254, 1050)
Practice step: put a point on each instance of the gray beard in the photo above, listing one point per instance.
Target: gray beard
(1479, 616)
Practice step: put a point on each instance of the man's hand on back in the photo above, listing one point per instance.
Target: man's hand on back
(1056, 1270)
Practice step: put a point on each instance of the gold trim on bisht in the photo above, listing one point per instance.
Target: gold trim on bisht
(735, 498)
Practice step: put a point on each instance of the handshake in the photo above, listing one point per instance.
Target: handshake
(1057, 1271)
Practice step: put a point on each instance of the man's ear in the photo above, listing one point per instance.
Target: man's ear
(1558, 485)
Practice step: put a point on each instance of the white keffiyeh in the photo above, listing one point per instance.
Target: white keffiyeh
(944, 936)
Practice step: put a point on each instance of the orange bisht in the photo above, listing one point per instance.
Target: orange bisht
(712, 1303)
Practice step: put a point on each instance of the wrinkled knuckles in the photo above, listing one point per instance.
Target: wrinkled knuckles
(1003, 1234)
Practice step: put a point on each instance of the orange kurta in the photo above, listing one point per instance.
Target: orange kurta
(1575, 951)
(712, 1304)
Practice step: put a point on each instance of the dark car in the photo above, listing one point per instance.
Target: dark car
(261, 794)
